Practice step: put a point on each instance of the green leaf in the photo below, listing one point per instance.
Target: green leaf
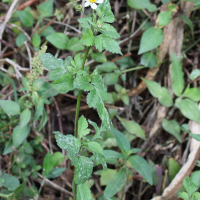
(47, 31)
(97, 97)
(195, 177)
(54, 173)
(109, 31)
(125, 99)
(97, 129)
(36, 40)
(154, 172)
(107, 67)
(125, 62)
(187, 20)
(189, 109)
(74, 45)
(195, 73)
(83, 127)
(50, 62)
(137, 4)
(95, 147)
(25, 118)
(83, 192)
(57, 158)
(20, 188)
(69, 143)
(99, 57)
(151, 39)
(189, 186)
(8, 147)
(142, 167)
(59, 40)
(111, 156)
(104, 12)
(39, 108)
(183, 195)
(172, 127)
(110, 78)
(11, 182)
(116, 183)
(106, 176)
(85, 22)
(56, 73)
(163, 95)
(148, 59)
(177, 76)
(26, 18)
(21, 38)
(64, 83)
(174, 168)
(10, 107)
(100, 159)
(122, 141)
(196, 196)
(47, 164)
(46, 9)
(83, 83)
(164, 18)
(132, 127)
(83, 169)
(19, 135)
(88, 38)
(192, 93)
(103, 42)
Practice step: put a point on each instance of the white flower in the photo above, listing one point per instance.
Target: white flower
(92, 3)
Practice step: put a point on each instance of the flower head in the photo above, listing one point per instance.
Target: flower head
(92, 3)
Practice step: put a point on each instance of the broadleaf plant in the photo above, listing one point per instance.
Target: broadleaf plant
(69, 75)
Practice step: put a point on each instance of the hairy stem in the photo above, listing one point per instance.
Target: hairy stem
(77, 114)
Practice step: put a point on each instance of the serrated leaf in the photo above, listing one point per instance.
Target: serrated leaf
(83, 169)
(132, 127)
(142, 167)
(56, 73)
(88, 38)
(103, 42)
(137, 4)
(96, 99)
(25, 118)
(95, 147)
(109, 31)
(116, 184)
(64, 83)
(189, 186)
(151, 39)
(100, 159)
(189, 109)
(177, 76)
(83, 192)
(50, 62)
(59, 40)
(172, 127)
(82, 127)
(122, 141)
(85, 22)
(83, 83)
(70, 144)
(10, 107)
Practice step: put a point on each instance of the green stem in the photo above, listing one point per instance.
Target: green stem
(133, 69)
(5, 195)
(77, 113)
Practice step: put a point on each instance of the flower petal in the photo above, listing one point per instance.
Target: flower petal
(94, 6)
(99, 1)
(87, 3)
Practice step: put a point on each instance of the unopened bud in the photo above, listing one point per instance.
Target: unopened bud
(79, 8)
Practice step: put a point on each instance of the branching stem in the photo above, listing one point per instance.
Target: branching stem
(77, 113)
